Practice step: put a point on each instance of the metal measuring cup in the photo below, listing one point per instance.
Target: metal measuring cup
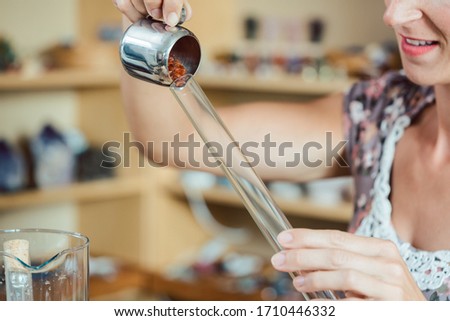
(147, 44)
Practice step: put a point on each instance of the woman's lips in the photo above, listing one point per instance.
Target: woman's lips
(415, 47)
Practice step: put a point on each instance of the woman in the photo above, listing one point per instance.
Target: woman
(398, 133)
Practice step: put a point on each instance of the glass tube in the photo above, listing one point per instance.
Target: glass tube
(228, 155)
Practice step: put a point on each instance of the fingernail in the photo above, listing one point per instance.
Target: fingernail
(299, 281)
(285, 237)
(278, 259)
(156, 13)
(172, 19)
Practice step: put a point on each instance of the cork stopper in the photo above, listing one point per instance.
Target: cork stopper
(21, 250)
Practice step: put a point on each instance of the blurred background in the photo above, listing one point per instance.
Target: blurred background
(60, 103)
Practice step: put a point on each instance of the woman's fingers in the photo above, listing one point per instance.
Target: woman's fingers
(358, 284)
(188, 9)
(154, 8)
(333, 239)
(172, 11)
(363, 267)
(140, 6)
(336, 259)
(167, 10)
(128, 9)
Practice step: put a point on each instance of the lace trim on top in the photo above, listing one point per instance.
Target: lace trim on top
(429, 269)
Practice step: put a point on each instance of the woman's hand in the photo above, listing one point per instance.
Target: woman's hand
(362, 267)
(167, 10)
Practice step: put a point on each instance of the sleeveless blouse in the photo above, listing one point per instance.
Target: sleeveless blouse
(376, 114)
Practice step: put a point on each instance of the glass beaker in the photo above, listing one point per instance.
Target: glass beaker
(43, 265)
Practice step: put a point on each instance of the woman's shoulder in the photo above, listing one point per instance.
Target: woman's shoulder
(389, 85)
(373, 107)
(391, 93)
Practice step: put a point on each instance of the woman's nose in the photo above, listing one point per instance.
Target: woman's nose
(399, 12)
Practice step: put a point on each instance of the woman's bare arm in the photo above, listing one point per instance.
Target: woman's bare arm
(286, 141)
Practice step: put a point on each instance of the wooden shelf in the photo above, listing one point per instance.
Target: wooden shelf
(127, 277)
(149, 283)
(100, 190)
(303, 207)
(276, 85)
(201, 290)
(87, 78)
(61, 79)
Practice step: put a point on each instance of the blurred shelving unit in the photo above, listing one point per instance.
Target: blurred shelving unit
(117, 199)
(85, 95)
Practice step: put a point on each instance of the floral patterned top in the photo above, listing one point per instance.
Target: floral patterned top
(376, 114)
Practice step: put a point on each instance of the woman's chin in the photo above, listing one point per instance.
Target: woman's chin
(420, 78)
(427, 78)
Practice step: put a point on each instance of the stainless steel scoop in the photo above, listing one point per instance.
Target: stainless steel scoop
(147, 44)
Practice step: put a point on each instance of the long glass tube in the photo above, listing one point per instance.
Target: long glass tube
(228, 155)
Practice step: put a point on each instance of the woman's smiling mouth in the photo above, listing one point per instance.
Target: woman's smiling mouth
(417, 47)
